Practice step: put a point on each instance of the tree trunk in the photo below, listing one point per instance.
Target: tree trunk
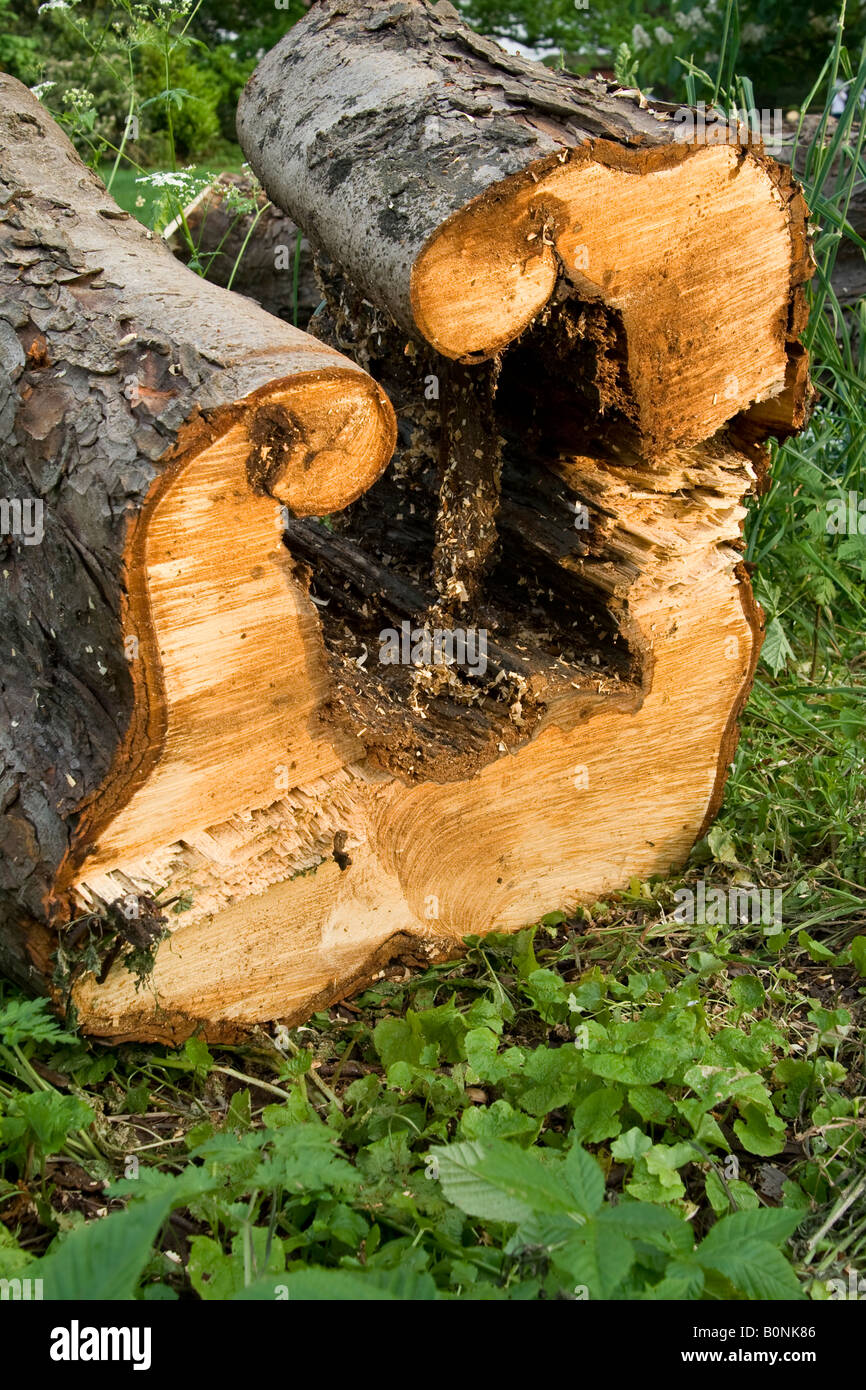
(586, 330)
(159, 659)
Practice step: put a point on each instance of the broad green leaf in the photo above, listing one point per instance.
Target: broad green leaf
(773, 1224)
(748, 993)
(776, 649)
(597, 1258)
(684, 1281)
(651, 1224)
(629, 1146)
(585, 1180)
(315, 1285)
(497, 1121)
(759, 1131)
(499, 1181)
(754, 1267)
(597, 1117)
(482, 1048)
(396, 1040)
(103, 1261)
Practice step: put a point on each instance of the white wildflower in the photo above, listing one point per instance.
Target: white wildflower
(640, 38)
(662, 35)
(753, 33)
(691, 19)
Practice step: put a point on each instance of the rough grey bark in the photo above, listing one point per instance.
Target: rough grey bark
(108, 346)
(372, 123)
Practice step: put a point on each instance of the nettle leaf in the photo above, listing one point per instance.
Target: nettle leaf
(499, 1181)
(595, 1258)
(642, 1066)
(585, 1180)
(198, 1055)
(497, 1121)
(656, 1226)
(548, 1079)
(445, 1027)
(482, 1049)
(748, 993)
(777, 650)
(104, 1260)
(683, 1281)
(773, 1224)
(549, 994)
(754, 1267)
(655, 1177)
(398, 1040)
(653, 1106)
(721, 845)
(217, 1276)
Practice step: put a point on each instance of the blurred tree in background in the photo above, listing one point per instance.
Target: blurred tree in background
(781, 46)
(159, 79)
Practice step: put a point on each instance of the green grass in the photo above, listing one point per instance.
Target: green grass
(614, 1105)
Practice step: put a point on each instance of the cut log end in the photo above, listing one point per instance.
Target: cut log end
(627, 230)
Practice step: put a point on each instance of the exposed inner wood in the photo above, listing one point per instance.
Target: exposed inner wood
(627, 783)
(226, 640)
(586, 341)
(653, 236)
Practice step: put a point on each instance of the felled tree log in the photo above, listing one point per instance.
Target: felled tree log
(256, 247)
(586, 330)
(159, 659)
